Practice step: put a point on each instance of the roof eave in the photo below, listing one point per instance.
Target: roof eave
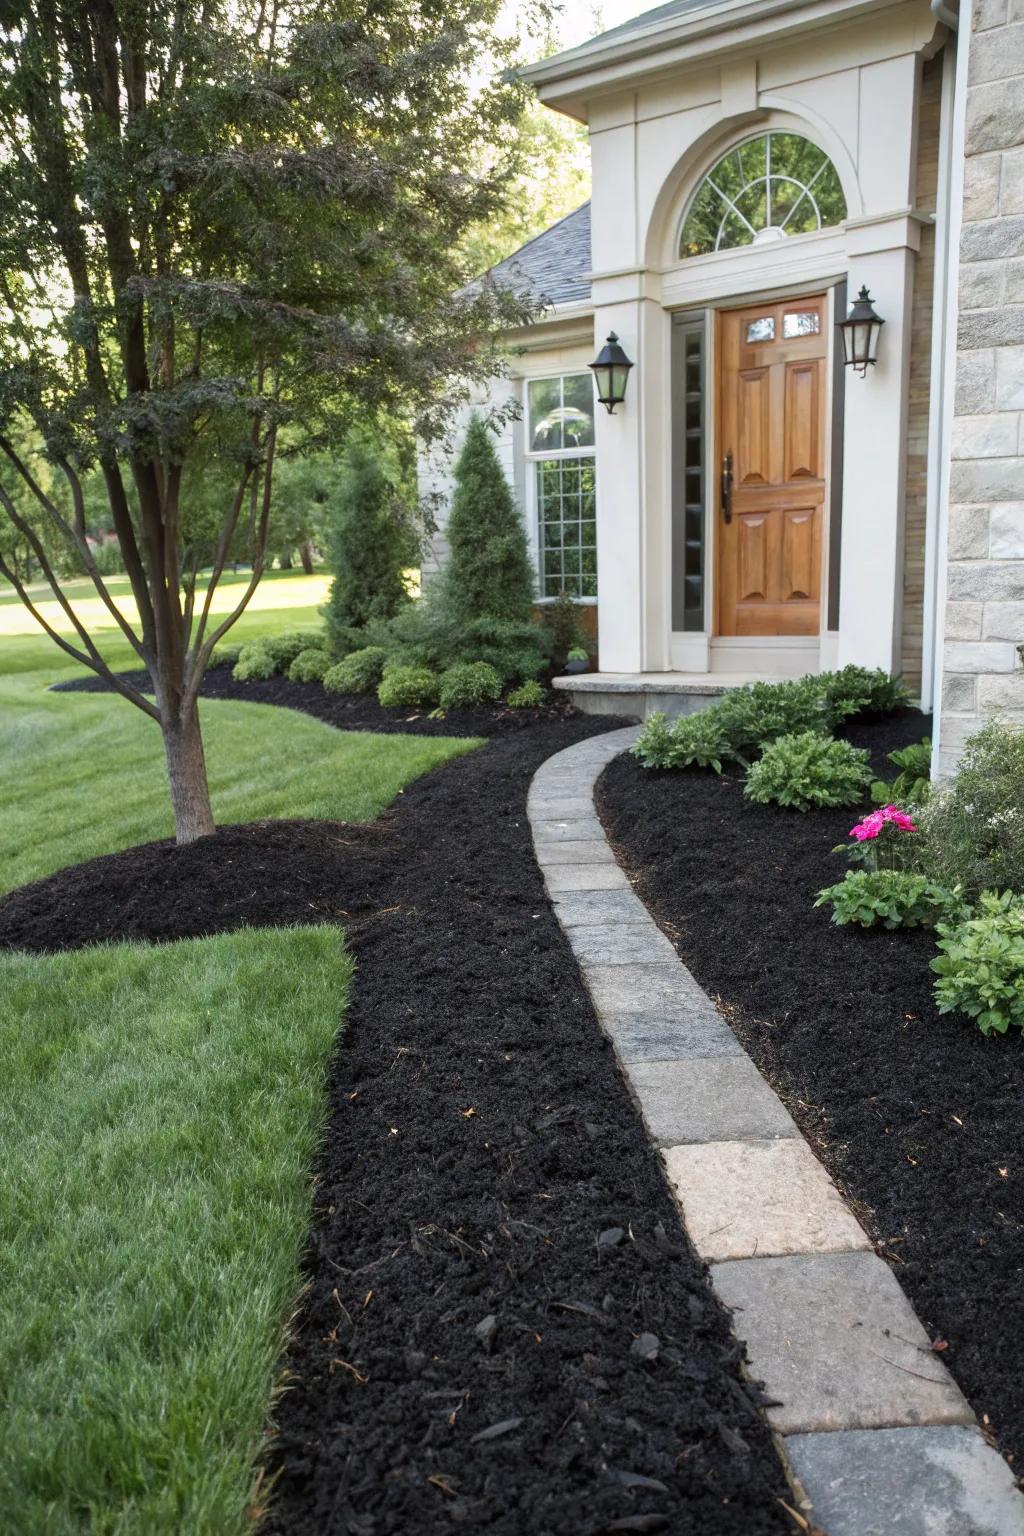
(565, 79)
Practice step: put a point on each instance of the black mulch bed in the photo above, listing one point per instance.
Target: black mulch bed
(505, 1329)
(352, 711)
(917, 1116)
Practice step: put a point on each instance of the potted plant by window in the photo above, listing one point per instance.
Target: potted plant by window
(578, 660)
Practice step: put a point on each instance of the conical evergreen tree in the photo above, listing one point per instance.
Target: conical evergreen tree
(370, 546)
(489, 574)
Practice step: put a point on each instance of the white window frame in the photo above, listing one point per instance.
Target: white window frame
(532, 458)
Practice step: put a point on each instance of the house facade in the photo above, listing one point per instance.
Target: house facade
(755, 507)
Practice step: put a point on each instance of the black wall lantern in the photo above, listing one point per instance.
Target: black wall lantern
(611, 370)
(861, 330)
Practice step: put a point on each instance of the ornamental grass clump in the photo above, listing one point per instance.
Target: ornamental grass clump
(807, 771)
(981, 966)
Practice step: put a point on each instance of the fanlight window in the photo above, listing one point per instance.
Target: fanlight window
(775, 185)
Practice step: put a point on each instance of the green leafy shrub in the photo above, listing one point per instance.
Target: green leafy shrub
(407, 687)
(751, 717)
(529, 695)
(893, 898)
(469, 682)
(912, 784)
(226, 654)
(972, 826)
(862, 691)
(255, 663)
(309, 666)
(426, 635)
(808, 770)
(284, 648)
(689, 741)
(981, 967)
(358, 672)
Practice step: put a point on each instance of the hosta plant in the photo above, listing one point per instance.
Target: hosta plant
(981, 968)
(913, 782)
(688, 741)
(890, 898)
(807, 771)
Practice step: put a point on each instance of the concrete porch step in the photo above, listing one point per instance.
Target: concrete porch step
(639, 694)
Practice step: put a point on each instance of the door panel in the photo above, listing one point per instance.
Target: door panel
(771, 405)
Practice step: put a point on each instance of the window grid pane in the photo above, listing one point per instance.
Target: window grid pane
(566, 509)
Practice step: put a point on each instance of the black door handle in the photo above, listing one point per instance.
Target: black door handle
(727, 488)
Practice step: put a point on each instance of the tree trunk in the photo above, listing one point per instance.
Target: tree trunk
(186, 769)
(286, 560)
(306, 556)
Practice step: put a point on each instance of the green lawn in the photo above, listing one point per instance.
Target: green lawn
(83, 774)
(160, 1111)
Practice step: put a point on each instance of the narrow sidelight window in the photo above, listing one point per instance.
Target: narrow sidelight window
(689, 477)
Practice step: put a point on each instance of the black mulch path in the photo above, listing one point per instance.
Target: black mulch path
(917, 1116)
(505, 1329)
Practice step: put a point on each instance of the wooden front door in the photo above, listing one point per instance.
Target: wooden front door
(771, 443)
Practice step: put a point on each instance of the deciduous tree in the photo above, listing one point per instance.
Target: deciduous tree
(221, 220)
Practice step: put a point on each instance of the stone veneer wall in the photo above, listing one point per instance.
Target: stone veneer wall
(983, 667)
(916, 496)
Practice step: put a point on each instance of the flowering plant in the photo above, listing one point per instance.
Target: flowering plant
(880, 839)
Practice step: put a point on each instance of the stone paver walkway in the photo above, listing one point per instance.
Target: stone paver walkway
(876, 1435)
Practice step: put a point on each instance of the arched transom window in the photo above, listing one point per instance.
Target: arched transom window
(775, 185)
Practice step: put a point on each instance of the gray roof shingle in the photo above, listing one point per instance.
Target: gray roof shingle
(552, 267)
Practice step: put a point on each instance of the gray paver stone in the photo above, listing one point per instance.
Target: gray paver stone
(581, 830)
(720, 1099)
(642, 1037)
(605, 944)
(578, 908)
(743, 1199)
(566, 878)
(594, 852)
(836, 1343)
(940, 1480)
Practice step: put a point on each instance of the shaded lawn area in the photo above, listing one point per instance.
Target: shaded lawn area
(82, 775)
(160, 1113)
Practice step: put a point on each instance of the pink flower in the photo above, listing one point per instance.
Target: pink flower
(872, 825)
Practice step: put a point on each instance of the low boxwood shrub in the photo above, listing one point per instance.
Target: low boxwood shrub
(227, 653)
(981, 967)
(407, 687)
(808, 770)
(529, 695)
(284, 648)
(255, 663)
(469, 682)
(892, 898)
(689, 741)
(309, 666)
(358, 672)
